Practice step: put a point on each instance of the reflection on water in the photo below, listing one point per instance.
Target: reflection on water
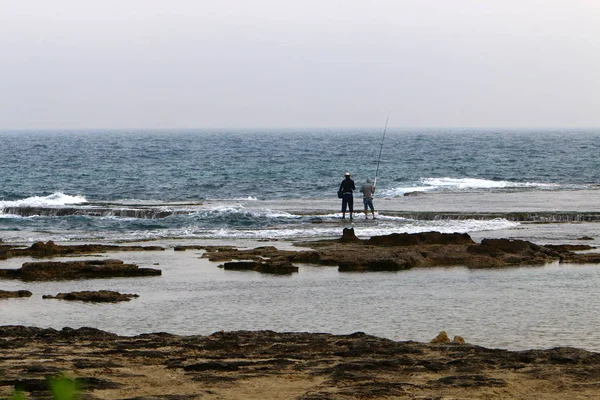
(514, 308)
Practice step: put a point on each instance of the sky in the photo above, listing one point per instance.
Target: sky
(174, 64)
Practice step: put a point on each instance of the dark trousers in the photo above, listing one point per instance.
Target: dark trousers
(348, 201)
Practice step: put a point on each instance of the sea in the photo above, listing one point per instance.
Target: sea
(258, 187)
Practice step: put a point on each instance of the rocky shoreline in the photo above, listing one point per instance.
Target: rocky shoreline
(265, 364)
(293, 365)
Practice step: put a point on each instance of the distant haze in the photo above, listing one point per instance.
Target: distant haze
(157, 64)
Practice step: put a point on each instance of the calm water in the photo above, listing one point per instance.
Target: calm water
(245, 187)
(515, 308)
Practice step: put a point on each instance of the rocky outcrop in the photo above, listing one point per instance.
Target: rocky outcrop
(429, 249)
(51, 249)
(268, 267)
(7, 294)
(295, 365)
(220, 254)
(89, 269)
(403, 251)
(414, 239)
(99, 296)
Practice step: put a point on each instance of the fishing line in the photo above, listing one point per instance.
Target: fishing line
(381, 149)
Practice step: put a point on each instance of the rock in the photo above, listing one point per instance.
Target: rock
(51, 249)
(239, 266)
(348, 235)
(398, 252)
(6, 294)
(458, 339)
(585, 238)
(100, 296)
(267, 267)
(442, 337)
(586, 258)
(407, 239)
(507, 245)
(41, 249)
(89, 269)
(260, 254)
(566, 248)
(375, 265)
(294, 365)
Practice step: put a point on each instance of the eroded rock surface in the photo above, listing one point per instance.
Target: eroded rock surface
(97, 296)
(266, 364)
(268, 267)
(404, 251)
(51, 249)
(8, 294)
(87, 269)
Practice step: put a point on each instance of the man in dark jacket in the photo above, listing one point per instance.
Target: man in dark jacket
(346, 187)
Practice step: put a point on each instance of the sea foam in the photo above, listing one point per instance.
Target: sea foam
(53, 200)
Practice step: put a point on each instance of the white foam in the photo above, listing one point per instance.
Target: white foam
(238, 209)
(449, 183)
(53, 200)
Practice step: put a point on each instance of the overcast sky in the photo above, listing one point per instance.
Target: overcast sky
(305, 63)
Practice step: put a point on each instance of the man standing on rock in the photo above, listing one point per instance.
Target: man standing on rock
(346, 188)
(367, 190)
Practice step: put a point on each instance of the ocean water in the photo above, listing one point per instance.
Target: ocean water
(252, 188)
(107, 186)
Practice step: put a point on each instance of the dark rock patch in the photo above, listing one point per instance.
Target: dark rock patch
(51, 249)
(6, 294)
(68, 270)
(100, 296)
(407, 239)
(267, 267)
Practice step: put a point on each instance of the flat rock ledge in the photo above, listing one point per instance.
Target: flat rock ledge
(266, 364)
(68, 270)
(267, 267)
(98, 296)
(397, 252)
(51, 249)
(7, 294)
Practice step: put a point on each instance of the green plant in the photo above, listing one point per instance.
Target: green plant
(63, 388)
(18, 395)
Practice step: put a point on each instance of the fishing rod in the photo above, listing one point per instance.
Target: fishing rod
(381, 149)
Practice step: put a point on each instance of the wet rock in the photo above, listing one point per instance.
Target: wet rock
(407, 239)
(89, 269)
(587, 258)
(260, 254)
(6, 294)
(397, 252)
(226, 364)
(51, 249)
(100, 296)
(348, 235)
(268, 267)
(374, 265)
(468, 381)
(442, 337)
(566, 248)
(458, 339)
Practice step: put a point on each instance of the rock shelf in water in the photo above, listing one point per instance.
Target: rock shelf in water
(51, 249)
(404, 251)
(89, 269)
(10, 294)
(97, 296)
